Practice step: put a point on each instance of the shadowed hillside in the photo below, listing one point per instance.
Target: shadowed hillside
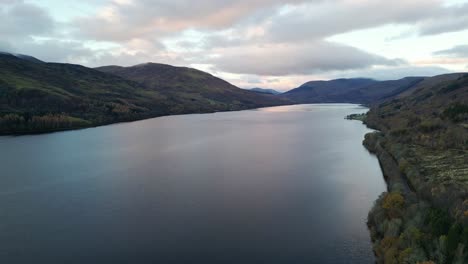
(40, 97)
(191, 89)
(363, 91)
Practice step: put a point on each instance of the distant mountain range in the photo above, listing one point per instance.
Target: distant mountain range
(358, 90)
(265, 91)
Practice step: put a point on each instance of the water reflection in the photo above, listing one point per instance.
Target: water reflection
(287, 184)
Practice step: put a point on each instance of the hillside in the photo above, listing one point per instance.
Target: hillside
(22, 56)
(326, 91)
(423, 149)
(39, 97)
(193, 90)
(350, 90)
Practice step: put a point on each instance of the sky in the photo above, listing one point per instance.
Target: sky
(250, 43)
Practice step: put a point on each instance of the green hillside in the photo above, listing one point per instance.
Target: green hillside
(423, 149)
(41, 97)
(193, 90)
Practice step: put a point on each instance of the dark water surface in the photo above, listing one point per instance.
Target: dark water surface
(288, 184)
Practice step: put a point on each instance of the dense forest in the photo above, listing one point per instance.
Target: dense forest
(422, 145)
(40, 97)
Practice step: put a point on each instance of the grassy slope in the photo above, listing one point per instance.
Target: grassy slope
(194, 90)
(423, 150)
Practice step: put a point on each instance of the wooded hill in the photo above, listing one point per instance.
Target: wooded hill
(423, 149)
(39, 97)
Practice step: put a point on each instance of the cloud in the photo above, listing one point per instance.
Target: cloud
(289, 59)
(246, 37)
(447, 19)
(55, 51)
(457, 51)
(5, 46)
(126, 20)
(316, 21)
(123, 58)
(20, 20)
(281, 21)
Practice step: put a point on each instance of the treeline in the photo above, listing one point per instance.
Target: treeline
(440, 130)
(419, 220)
(415, 232)
(13, 123)
(422, 146)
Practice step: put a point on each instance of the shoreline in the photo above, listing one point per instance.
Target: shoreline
(58, 130)
(405, 226)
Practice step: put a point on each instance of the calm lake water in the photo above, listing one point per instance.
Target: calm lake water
(290, 184)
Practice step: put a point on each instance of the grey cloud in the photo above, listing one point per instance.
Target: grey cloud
(120, 22)
(319, 20)
(302, 19)
(328, 18)
(50, 50)
(291, 39)
(6, 46)
(457, 51)
(20, 20)
(56, 51)
(293, 59)
(129, 59)
(448, 19)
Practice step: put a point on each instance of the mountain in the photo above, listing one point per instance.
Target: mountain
(22, 56)
(422, 146)
(265, 91)
(428, 100)
(359, 90)
(41, 97)
(326, 91)
(37, 97)
(191, 89)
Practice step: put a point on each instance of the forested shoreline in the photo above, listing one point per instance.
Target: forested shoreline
(39, 97)
(422, 146)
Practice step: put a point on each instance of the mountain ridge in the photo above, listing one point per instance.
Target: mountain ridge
(189, 86)
(44, 97)
(352, 90)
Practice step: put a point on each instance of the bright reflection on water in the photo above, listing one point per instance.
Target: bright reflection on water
(288, 184)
